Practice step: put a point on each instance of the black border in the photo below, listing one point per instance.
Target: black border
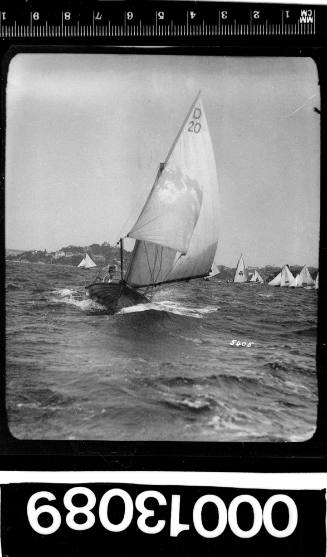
(203, 456)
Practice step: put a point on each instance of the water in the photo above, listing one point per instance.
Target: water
(163, 371)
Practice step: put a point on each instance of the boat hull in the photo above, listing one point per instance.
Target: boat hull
(115, 295)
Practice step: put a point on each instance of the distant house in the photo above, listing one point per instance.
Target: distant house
(58, 254)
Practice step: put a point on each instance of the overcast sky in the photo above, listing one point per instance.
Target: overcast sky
(86, 133)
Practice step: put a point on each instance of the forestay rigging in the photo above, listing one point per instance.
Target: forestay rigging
(177, 230)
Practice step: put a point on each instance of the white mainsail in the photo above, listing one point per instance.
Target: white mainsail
(256, 277)
(177, 230)
(240, 273)
(82, 263)
(276, 281)
(317, 282)
(305, 277)
(297, 282)
(87, 262)
(214, 270)
(284, 278)
(287, 276)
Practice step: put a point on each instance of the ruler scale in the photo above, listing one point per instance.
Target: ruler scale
(159, 20)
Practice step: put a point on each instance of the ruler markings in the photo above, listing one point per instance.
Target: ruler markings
(35, 27)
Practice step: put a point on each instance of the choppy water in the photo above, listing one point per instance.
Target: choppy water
(166, 371)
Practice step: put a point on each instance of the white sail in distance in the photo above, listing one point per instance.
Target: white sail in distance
(284, 278)
(317, 282)
(306, 277)
(87, 262)
(214, 270)
(177, 230)
(287, 277)
(276, 281)
(256, 277)
(240, 273)
(297, 282)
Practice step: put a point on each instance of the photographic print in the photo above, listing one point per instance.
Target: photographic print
(162, 234)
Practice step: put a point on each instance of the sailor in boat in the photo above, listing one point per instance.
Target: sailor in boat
(110, 274)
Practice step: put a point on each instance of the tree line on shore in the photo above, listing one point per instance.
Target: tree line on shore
(105, 254)
(71, 255)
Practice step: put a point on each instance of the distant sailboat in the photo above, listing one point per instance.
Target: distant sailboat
(256, 278)
(214, 271)
(297, 282)
(317, 282)
(240, 273)
(306, 277)
(303, 278)
(87, 262)
(284, 278)
(177, 230)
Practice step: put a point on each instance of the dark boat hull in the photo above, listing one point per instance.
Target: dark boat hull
(115, 295)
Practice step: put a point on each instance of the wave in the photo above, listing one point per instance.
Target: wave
(77, 299)
(171, 307)
(191, 402)
(277, 365)
(182, 381)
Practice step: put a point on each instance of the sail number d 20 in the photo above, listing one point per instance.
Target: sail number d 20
(224, 517)
(195, 125)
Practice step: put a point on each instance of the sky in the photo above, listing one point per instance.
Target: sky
(86, 133)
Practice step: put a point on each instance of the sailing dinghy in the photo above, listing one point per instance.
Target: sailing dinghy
(306, 277)
(256, 278)
(284, 278)
(241, 272)
(214, 271)
(176, 232)
(87, 263)
(303, 278)
(297, 282)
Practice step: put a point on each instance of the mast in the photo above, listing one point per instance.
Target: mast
(121, 241)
